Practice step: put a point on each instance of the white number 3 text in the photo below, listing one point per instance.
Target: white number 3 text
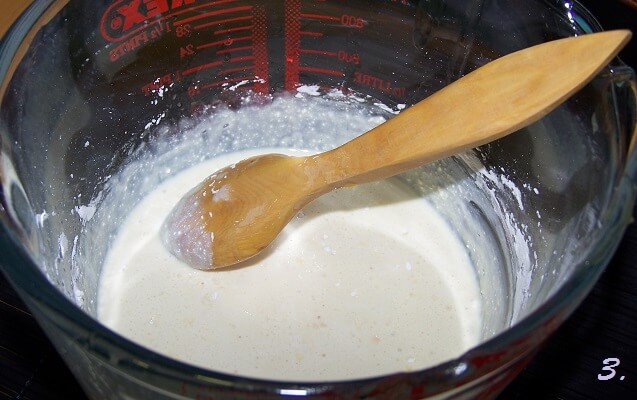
(608, 369)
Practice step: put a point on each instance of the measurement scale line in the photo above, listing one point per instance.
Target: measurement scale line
(215, 64)
(226, 42)
(320, 16)
(193, 8)
(233, 49)
(212, 14)
(310, 33)
(231, 30)
(322, 71)
(227, 82)
(319, 52)
(260, 50)
(223, 21)
(292, 26)
(201, 67)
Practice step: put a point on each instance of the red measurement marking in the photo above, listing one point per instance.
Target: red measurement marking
(215, 64)
(230, 30)
(225, 42)
(233, 49)
(378, 83)
(320, 16)
(225, 82)
(292, 43)
(156, 85)
(322, 71)
(118, 23)
(129, 45)
(200, 68)
(319, 52)
(223, 21)
(212, 14)
(260, 45)
(308, 33)
(239, 59)
(352, 21)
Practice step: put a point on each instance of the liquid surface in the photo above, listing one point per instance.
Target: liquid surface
(365, 281)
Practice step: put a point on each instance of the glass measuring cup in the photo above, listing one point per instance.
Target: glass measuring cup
(129, 67)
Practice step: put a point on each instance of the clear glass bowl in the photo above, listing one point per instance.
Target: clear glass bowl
(98, 71)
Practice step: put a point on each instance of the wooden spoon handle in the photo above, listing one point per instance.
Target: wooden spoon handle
(490, 102)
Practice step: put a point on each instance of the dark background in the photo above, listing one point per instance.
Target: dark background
(567, 366)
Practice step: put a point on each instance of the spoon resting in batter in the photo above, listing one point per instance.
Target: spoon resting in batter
(239, 210)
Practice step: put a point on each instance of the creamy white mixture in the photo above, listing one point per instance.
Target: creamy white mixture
(365, 281)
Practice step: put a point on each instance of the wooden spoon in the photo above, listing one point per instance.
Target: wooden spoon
(239, 210)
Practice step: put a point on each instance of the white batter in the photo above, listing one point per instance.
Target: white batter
(365, 281)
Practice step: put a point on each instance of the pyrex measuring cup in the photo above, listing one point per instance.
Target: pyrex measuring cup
(89, 85)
